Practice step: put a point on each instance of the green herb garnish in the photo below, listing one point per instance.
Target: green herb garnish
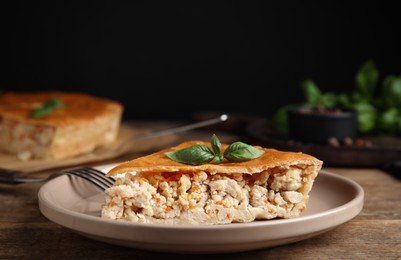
(201, 154)
(47, 108)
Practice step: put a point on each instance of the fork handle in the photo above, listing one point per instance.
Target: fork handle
(10, 176)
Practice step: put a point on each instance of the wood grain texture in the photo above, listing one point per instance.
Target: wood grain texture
(374, 234)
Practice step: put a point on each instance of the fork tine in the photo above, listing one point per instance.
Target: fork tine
(89, 178)
(94, 176)
(101, 175)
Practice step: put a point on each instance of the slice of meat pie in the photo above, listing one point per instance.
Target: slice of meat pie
(157, 188)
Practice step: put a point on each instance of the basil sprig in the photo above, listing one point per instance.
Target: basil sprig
(47, 108)
(201, 154)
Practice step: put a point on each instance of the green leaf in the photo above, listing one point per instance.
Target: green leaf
(216, 145)
(344, 100)
(366, 79)
(311, 91)
(239, 152)
(329, 100)
(54, 102)
(366, 117)
(195, 155)
(387, 121)
(42, 111)
(391, 91)
(218, 158)
(47, 108)
(201, 154)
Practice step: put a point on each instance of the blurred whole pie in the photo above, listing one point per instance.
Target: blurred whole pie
(55, 124)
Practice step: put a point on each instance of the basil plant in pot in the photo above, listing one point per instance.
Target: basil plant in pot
(320, 119)
(344, 116)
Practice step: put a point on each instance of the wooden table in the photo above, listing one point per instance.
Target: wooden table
(374, 234)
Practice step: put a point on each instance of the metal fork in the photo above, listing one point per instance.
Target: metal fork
(96, 177)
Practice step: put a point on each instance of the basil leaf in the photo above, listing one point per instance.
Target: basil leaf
(216, 145)
(329, 100)
(366, 79)
(366, 116)
(201, 154)
(195, 155)
(54, 102)
(391, 91)
(218, 158)
(240, 152)
(47, 108)
(42, 111)
(387, 121)
(311, 92)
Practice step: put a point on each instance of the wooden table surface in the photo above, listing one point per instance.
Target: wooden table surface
(374, 234)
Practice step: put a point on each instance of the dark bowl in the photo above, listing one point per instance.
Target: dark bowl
(311, 125)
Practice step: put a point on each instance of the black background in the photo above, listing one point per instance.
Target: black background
(168, 60)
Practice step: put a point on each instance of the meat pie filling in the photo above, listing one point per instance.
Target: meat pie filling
(202, 198)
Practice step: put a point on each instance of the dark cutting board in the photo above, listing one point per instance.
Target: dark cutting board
(383, 150)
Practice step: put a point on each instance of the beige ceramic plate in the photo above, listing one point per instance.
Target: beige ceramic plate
(75, 204)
